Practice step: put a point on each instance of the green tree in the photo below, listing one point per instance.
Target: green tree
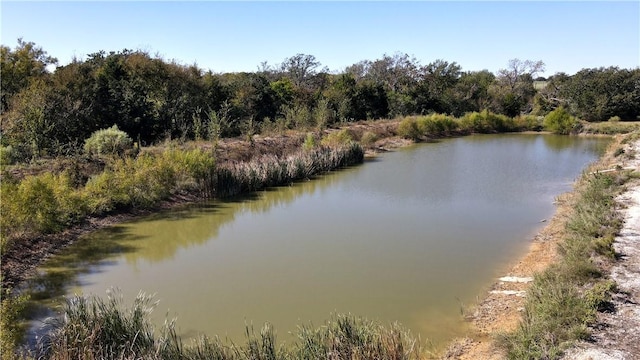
(471, 92)
(19, 67)
(513, 92)
(599, 94)
(434, 93)
(28, 125)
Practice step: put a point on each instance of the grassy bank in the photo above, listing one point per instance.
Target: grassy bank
(95, 328)
(49, 203)
(563, 300)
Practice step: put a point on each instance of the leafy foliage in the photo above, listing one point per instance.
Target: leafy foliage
(560, 121)
(111, 141)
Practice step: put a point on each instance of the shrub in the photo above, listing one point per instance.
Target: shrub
(11, 329)
(337, 138)
(436, 125)
(487, 122)
(309, 142)
(111, 141)
(614, 119)
(6, 155)
(43, 204)
(408, 129)
(528, 122)
(368, 139)
(560, 121)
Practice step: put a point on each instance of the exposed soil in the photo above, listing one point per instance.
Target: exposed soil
(617, 333)
(499, 311)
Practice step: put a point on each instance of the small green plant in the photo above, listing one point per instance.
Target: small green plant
(614, 119)
(408, 129)
(111, 141)
(560, 121)
(368, 139)
(309, 142)
(11, 328)
(529, 122)
(337, 138)
(6, 155)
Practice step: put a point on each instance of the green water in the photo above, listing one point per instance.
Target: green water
(412, 236)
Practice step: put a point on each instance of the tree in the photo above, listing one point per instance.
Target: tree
(471, 92)
(513, 92)
(28, 124)
(300, 68)
(26, 63)
(599, 94)
(435, 90)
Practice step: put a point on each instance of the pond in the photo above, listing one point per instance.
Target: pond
(412, 236)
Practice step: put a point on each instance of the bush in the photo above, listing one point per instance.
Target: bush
(408, 129)
(560, 121)
(309, 142)
(529, 122)
(43, 204)
(144, 181)
(614, 119)
(337, 138)
(111, 141)
(368, 139)
(11, 329)
(487, 122)
(6, 155)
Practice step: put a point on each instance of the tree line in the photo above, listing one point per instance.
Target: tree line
(52, 112)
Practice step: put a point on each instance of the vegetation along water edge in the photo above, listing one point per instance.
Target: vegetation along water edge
(122, 134)
(245, 177)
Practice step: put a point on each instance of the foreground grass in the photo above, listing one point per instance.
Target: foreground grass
(95, 328)
(563, 301)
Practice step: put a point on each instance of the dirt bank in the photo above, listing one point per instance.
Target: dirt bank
(617, 334)
(499, 311)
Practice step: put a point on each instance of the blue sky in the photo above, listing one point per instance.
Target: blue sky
(238, 36)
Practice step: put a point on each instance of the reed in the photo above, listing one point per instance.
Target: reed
(96, 328)
(269, 170)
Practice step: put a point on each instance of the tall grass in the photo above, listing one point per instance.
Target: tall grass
(563, 300)
(440, 125)
(610, 128)
(49, 203)
(96, 328)
(269, 170)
